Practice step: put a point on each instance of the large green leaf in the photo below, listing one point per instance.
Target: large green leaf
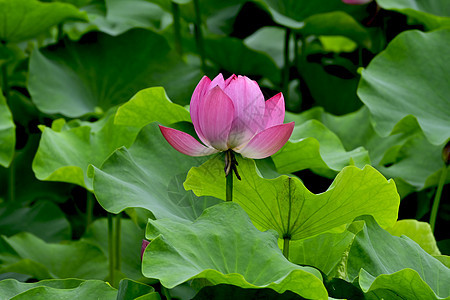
(57, 289)
(66, 150)
(101, 71)
(399, 155)
(287, 206)
(419, 232)
(25, 19)
(313, 146)
(222, 246)
(131, 242)
(149, 105)
(433, 14)
(292, 13)
(7, 133)
(44, 219)
(24, 253)
(397, 264)
(153, 179)
(410, 78)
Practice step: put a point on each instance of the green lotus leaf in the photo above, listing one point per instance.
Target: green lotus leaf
(433, 14)
(419, 232)
(337, 23)
(234, 56)
(222, 246)
(129, 290)
(24, 253)
(101, 71)
(287, 206)
(148, 106)
(292, 13)
(313, 146)
(7, 133)
(66, 150)
(153, 180)
(25, 19)
(44, 219)
(398, 264)
(57, 289)
(399, 155)
(131, 242)
(409, 79)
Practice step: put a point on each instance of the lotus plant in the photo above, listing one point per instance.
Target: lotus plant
(231, 116)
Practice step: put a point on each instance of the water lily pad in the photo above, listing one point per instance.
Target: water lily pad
(25, 19)
(153, 180)
(398, 264)
(7, 133)
(222, 246)
(101, 71)
(287, 206)
(393, 90)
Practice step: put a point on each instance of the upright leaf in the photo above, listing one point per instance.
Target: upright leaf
(287, 206)
(409, 78)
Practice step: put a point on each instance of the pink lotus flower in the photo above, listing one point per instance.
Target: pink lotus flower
(232, 114)
(143, 247)
(356, 2)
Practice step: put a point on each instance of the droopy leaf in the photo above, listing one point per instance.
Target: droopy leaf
(149, 175)
(223, 246)
(7, 133)
(410, 78)
(65, 153)
(57, 289)
(44, 219)
(101, 71)
(312, 145)
(24, 253)
(25, 19)
(398, 264)
(287, 206)
(433, 14)
(419, 232)
(130, 290)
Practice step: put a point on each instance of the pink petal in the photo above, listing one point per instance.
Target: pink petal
(185, 143)
(217, 81)
(356, 2)
(216, 114)
(143, 247)
(249, 108)
(229, 79)
(274, 114)
(199, 92)
(267, 142)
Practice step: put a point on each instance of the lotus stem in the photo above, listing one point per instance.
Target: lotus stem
(229, 190)
(12, 180)
(90, 201)
(198, 33)
(117, 233)
(286, 241)
(177, 27)
(111, 248)
(5, 86)
(437, 198)
(287, 65)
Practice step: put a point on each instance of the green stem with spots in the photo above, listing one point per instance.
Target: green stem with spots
(437, 198)
(229, 187)
(287, 63)
(117, 242)
(286, 241)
